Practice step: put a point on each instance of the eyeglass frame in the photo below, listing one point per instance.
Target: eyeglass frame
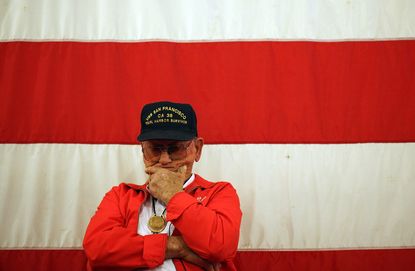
(165, 148)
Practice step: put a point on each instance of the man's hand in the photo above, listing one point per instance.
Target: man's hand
(164, 184)
(177, 248)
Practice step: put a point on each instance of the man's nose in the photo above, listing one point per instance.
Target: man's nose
(164, 157)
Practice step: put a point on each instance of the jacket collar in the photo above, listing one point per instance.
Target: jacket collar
(199, 182)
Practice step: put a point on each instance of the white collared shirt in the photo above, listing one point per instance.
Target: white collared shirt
(146, 212)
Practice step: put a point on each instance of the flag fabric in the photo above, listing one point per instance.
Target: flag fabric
(306, 107)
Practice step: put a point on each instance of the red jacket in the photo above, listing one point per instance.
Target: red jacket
(207, 215)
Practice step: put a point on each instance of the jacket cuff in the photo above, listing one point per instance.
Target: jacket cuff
(154, 251)
(177, 204)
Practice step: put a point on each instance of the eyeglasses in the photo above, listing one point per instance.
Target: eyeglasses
(176, 151)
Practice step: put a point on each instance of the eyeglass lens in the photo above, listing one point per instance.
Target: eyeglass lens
(175, 151)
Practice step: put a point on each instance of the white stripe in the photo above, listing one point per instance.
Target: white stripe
(188, 20)
(292, 196)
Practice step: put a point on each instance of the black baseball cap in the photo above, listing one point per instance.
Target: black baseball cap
(168, 120)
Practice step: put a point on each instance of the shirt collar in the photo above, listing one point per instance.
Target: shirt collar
(189, 181)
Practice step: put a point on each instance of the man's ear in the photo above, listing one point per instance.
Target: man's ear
(199, 146)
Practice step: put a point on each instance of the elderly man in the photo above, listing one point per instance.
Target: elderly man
(176, 220)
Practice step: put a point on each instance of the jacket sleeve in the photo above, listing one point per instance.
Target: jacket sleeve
(210, 229)
(111, 239)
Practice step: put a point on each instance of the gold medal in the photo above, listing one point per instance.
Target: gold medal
(156, 224)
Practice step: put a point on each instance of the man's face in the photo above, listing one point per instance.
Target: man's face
(172, 154)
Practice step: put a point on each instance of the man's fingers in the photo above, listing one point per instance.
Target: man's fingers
(182, 170)
(196, 259)
(149, 170)
(152, 169)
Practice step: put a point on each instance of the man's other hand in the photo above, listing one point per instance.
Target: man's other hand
(177, 248)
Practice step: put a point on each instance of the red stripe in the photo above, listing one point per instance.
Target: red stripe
(244, 92)
(362, 260)
(42, 260)
(345, 260)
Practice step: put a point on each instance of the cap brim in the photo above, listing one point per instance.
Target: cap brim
(166, 135)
